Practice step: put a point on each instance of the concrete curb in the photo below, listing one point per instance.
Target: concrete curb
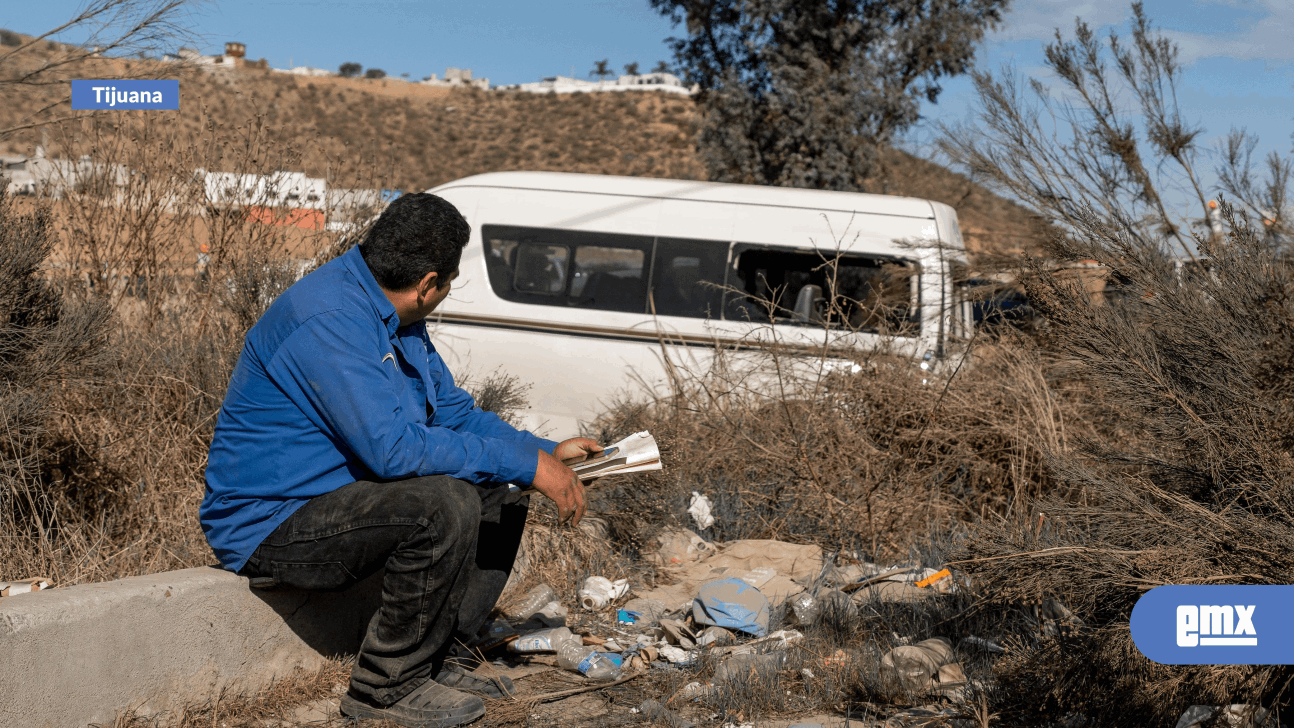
(75, 656)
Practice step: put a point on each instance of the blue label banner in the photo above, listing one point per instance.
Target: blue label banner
(125, 95)
(1216, 625)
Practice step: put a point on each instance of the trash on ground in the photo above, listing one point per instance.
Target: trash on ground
(573, 655)
(747, 666)
(675, 655)
(544, 640)
(1054, 618)
(599, 591)
(496, 632)
(680, 547)
(936, 578)
(25, 586)
(778, 569)
(891, 591)
(699, 509)
(693, 690)
(982, 644)
(534, 600)
(676, 632)
(916, 667)
(642, 613)
(775, 642)
(656, 712)
(552, 614)
(803, 609)
(951, 674)
(715, 637)
(734, 604)
(1239, 715)
(837, 659)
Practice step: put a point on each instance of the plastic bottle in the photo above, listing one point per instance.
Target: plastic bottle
(544, 640)
(533, 601)
(572, 655)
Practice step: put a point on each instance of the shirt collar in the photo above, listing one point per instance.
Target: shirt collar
(355, 263)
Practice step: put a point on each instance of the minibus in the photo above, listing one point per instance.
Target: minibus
(587, 288)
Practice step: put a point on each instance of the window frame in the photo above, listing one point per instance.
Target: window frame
(732, 281)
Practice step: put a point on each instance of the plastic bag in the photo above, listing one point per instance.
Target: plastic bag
(733, 604)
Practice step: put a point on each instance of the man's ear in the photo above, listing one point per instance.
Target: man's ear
(429, 283)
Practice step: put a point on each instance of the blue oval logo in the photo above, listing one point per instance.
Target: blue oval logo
(1215, 625)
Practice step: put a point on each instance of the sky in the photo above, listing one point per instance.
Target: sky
(1239, 54)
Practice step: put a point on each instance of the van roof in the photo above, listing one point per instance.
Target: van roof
(701, 191)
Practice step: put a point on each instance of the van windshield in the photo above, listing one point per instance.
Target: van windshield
(862, 293)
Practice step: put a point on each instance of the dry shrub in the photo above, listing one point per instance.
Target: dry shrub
(847, 448)
(43, 339)
(116, 453)
(1198, 491)
(1188, 479)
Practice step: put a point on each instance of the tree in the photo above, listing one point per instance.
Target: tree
(375, 73)
(631, 69)
(349, 70)
(601, 69)
(661, 67)
(804, 93)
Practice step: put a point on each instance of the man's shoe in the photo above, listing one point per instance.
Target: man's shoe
(430, 705)
(453, 675)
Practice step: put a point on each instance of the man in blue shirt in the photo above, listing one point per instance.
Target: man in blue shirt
(343, 447)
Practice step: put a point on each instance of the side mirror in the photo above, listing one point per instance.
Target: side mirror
(807, 305)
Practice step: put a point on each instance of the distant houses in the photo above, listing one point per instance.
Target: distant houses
(664, 82)
(235, 57)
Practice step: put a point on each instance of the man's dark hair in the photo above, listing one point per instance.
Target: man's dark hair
(417, 234)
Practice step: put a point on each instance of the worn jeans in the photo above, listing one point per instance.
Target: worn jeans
(447, 546)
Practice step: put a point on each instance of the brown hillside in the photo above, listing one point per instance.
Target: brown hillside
(411, 137)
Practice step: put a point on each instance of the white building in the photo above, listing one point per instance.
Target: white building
(457, 78)
(666, 82)
(304, 71)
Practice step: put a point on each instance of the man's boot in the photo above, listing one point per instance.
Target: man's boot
(430, 705)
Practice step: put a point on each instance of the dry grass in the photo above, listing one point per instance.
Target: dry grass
(277, 704)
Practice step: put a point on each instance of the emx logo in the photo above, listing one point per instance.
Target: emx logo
(1215, 625)
(1211, 625)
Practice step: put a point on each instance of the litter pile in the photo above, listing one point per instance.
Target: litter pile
(721, 608)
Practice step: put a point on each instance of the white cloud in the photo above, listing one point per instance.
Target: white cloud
(1248, 29)
(1038, 19)
(1264, 36)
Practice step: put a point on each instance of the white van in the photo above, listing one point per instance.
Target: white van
(578, 284)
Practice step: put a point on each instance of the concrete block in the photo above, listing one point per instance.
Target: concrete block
(74, 656)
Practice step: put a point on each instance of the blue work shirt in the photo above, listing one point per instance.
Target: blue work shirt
(329, 390)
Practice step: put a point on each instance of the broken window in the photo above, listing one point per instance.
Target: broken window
(864, 293)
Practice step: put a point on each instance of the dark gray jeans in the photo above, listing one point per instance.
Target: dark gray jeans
(447, 547)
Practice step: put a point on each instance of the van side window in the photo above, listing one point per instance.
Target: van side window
(609, 278)
(687, 277)
(540, 269)
(863, 293)
(569, 268)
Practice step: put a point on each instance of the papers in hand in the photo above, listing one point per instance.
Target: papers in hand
(634, 454)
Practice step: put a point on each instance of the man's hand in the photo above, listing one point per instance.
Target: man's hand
(560, 483)
(576, 450)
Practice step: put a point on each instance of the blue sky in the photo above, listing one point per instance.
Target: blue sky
(1239, 53)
